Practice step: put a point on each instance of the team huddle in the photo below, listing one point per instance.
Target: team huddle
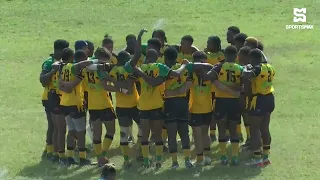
(164, 89)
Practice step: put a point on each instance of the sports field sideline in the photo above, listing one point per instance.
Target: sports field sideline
(29, 28)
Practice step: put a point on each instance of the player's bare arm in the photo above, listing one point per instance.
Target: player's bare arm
(181, 90)
(138, 50)
(154, 82)
(45, 76)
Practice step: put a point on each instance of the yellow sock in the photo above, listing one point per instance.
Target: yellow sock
(223, 148)
(199, 158)
(266, 150)
(227, 133)
(145, 151)
(164, 134)
(235, 148)
(125, 151)
(62, 155)
(70, 153)
(187, 154)
(97, 149)
(106, 144)
(212, 132)
(174, 157)
(248, 132)
(159, 152)
(49, 148)
(239, 131)
(82, 154)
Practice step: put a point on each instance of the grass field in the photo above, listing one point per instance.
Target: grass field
(29, 27)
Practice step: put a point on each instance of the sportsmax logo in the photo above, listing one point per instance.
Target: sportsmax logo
(299, 15)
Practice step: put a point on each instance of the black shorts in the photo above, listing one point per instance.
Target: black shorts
(46, 105)
(73, 111)
(176, 108)
(200, 119)
(54, 102)
(103, 114)
(228, 108)
(126, 115)
(264, 104)
(153, 114)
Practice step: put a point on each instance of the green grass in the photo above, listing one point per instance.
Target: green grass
(28, 29)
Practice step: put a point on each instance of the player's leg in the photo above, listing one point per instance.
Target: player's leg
(220, 114)
(108, 117)
(233, 118)
(170, 114)
(71, 138)
(61, 126)
(145, 126)
(48, 152)
(125, 122)
(79, 120)
(134, 114)
(97, 132)
(207, 118)
(265, 131)
(247, 126)
(196, 124)
(213, 124)
(255, 120)
(156, 121)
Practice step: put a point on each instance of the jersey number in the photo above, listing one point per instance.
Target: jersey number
(120, 77)
(231, 77)
(66, 75)
(91, 77)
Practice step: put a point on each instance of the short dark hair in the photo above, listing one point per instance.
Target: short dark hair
(79, 54)
(260, 45)
(130, 36)
(123, 57)
(232, 50)
(90, 44)
(60, 44)
(102, 53)
(155, 42)
(234, 29)
(244, 50)
(161, 32)
(199, 55)
(187, 38)
(170, 53)
(216, 40)
(67, 53)
(107, 40)
(240, 37)
(256, 53)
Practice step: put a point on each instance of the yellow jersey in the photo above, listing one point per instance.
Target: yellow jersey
(123, 100)
(174, 83)
(182, 56)
(98, 98)
(262, 83)
(75, 98)
(151, 97)
(214, 58)
(229, 74)
(200, 100)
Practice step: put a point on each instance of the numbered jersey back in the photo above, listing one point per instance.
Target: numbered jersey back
(263, 83)
(229, 75)
(174, 83)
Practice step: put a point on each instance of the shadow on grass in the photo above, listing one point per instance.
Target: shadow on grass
(47, 170)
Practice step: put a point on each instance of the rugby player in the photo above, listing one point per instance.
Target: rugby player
(186, 48)
(50, 98)
(227, 110)
(231, 32)
(176, 111)
(73, 108)
(261, 105)
(239, 40)
(107, 43)
(215, 55)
